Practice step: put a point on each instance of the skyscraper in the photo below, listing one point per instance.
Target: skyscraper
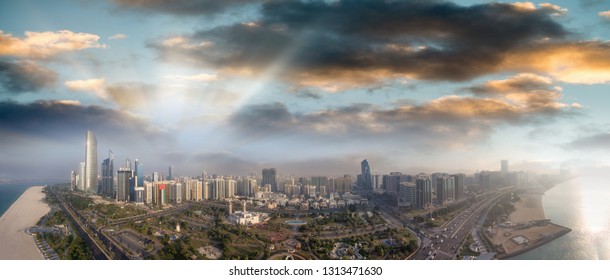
(90, 163)
(423, 192)
(367, 177)
(504, 165)
(269, 177)
(171, 173)
(459, 186)
(81, 177)
(445, 189)
(139, 173)
(124, 175)
(108, 176)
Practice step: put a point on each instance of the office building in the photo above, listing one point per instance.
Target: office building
(171, 173)
(406, 194)
(81, 177)
(459, 180)
(445, 189)
(367, 177)
(423, 192)
(270, 177)
(91, 182)
(124, 179)
(108, 176)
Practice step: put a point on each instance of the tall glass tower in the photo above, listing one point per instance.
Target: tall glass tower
(90, 163)
(367, 177)
(108, 176)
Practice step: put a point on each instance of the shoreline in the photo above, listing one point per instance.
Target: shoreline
(25, 212)
(528, 227)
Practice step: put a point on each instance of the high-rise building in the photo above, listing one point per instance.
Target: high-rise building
(406, 194)
(81, 176)
(90, 163)
(504, 165)
(230, 187)
(217, 189)
(367, 177)
(459, 180)
(73, 180)
(171, 173)
(423, 192)
(139, 173)
(445, 189)
(124, 177)
(108, 176)
(270, 177)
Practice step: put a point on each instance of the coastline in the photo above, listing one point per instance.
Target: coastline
(528, 227)
(25, 212)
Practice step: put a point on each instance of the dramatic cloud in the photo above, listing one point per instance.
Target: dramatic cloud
(42, 45)
(526, 91)
(593, 142)
(349, 43)
(584, 62)
(117, 37)
(182, 7)
(448, 120)
(24, 76)
(42, 119)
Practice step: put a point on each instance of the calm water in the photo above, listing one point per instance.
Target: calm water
(582, 204)
(10, 192)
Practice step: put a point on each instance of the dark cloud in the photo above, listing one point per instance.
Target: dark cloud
(361, 42)
(61, 120)
(265, 119)
(449, 120)
(24, 76)
(48, 136)
(592, 142)
(183, 7)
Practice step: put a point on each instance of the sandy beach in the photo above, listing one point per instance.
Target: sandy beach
(15, 244)
(528, 227)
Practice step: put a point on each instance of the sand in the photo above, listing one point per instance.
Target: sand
(528, 210)
(15, 244)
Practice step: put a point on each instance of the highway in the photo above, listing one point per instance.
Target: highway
(443, 242)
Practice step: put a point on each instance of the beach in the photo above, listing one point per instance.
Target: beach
(526, 229)
(15, 244)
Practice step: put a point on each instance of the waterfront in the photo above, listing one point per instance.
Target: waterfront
(582, 205)
(10, 192)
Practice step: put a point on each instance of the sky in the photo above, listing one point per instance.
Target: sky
(307, 87)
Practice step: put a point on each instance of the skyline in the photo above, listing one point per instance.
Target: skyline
(307, 87)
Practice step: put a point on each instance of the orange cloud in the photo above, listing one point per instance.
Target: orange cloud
(582, 62)
(43, 45)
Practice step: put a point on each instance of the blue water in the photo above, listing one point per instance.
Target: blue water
(582, 204)
(10, 192)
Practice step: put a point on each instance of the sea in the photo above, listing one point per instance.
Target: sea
(10, 192)
(582, 204)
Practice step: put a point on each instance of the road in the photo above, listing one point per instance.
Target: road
(443, 242)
